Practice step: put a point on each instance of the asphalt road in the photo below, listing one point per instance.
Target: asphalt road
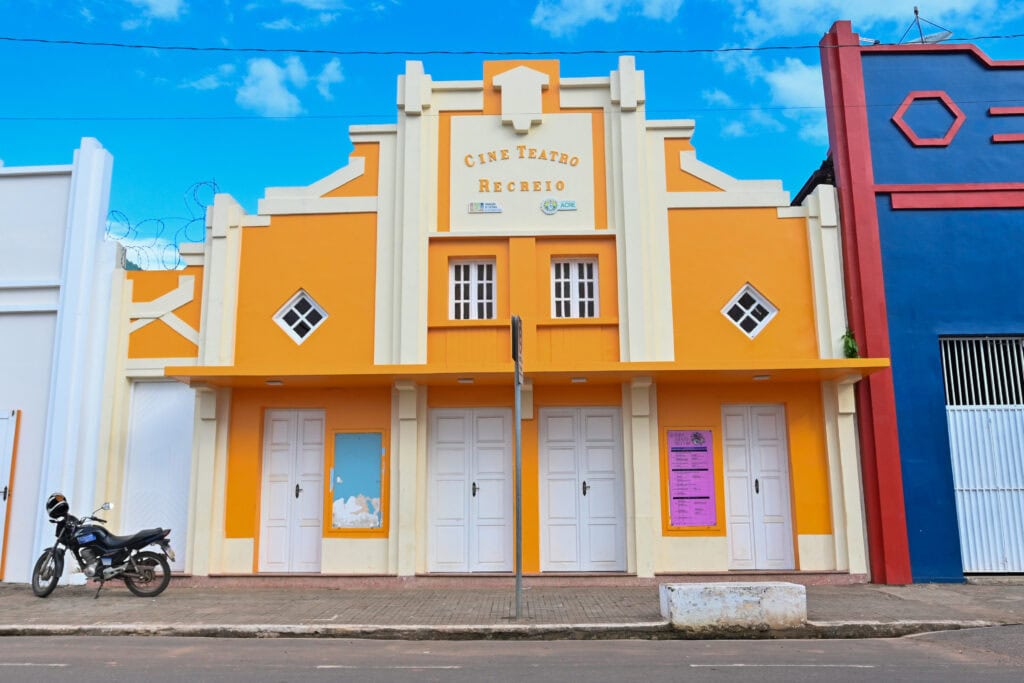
(992, 655)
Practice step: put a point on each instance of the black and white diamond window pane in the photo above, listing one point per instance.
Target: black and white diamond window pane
(300, 317)
(750, 311)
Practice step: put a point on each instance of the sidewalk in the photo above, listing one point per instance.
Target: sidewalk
(369, 610)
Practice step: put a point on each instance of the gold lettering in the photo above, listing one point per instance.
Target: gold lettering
(574, 161)
(536, 186)
(524, 186)
(484, 185)
(469, 161)
(511, 186)
(522, 151)
(492, 156)
(564, 158)
(497, 186)
(554, 155)
(504, 155)
(482, 159)
(560, 185)
(547, 185)
(533, 152)
(543, 155)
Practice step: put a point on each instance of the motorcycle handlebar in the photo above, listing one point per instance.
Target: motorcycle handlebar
(97, 519)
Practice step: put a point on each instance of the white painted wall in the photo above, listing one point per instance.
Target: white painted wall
(55, 275)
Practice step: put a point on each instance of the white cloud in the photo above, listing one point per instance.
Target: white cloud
(559, 17)
(330, 75)
(735, 129)
(160, 9)
(718, 98)
(282, 24)
(265, 89)
(87, 14)
(214, 80)
(319, 4)
(795, 84)
(296, 72)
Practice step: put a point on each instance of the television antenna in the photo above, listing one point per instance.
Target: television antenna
(923, 38)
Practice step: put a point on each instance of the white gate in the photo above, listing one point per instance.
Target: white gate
(984, 380)
(158, 465)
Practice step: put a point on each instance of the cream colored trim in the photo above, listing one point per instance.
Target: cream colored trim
(679, 127)
(218, 548)
(660, 332)
(641, 473)
(193, 253)
(453, 86)
(726, 200)
(406, 457)
(827, 270)
(238, 554)
(521, 88)
(310, 205)
(816, 552)
(589, 82)
(254, 221)
(220, 281)
(791, 212)
(692, 554)
(853, 502)
(626, 85)
(201, 489)
(421, 480)
(385, 301)
(146, 312)
(369, 129)
(355, 168)
(459, 100)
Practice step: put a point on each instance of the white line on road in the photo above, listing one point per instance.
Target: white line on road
(30, 664)
(784, 666)
(411, 666)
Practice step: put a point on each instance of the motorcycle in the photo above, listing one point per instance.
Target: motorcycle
(101, 555)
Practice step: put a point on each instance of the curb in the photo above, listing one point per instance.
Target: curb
(661, 630)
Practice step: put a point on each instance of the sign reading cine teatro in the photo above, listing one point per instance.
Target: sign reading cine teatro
(504, 180)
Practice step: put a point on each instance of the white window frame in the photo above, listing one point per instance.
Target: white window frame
(475, 298)
(748, 312)
(574, 301)
(288, 329)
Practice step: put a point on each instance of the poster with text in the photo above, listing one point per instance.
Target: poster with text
(691, 478)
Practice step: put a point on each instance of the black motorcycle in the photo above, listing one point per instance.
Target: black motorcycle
(101, 555)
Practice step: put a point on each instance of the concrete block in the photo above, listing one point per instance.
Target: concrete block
(716, 606)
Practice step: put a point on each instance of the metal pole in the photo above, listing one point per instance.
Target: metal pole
(519, 493)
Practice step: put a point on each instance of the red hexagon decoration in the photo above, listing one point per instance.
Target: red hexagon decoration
(946, 101)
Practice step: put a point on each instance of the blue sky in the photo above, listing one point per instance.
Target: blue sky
(247, 121)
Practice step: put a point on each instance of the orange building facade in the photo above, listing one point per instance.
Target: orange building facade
(327, 387)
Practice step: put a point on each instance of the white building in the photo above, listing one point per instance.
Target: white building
(55, 277)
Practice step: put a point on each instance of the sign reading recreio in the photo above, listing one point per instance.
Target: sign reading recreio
(691, 478)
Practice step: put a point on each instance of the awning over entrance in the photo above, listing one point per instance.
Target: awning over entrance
(846, 370)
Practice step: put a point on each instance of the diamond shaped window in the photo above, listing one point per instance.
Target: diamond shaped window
(300, 316)
(750, 311)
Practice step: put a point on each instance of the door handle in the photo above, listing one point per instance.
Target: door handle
(475, 489)
(5, 493)
(298, 490)
(586, 487)
(757, 486)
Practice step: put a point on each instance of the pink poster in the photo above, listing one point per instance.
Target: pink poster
(691, 478)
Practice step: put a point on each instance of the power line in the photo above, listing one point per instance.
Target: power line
(425, 53)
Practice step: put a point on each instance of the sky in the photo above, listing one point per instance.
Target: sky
(181, 123)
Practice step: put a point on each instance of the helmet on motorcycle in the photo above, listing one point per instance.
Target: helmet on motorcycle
(57, 506)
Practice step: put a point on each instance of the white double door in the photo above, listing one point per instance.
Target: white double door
(582, 500)
(470, 491)
(8, 428)
(758, 510)
(292, 501)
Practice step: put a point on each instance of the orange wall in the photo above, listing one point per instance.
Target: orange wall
(332, 257)
(700, 407)
(345, 410)
(714, 253)
(678, 180)
(523, 279)
(157, 339)
(366, 184)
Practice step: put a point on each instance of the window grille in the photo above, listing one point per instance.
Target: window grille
(574, 291)
(472, 291)
(983, 371)
(300, 316)
(750, 311)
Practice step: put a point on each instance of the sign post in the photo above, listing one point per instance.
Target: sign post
(517, 356)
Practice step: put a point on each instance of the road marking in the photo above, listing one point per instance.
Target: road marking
(784, 666)
(331, 619)
(416, 667)
(30, 664)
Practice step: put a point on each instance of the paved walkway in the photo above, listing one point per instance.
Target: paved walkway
(269, 609)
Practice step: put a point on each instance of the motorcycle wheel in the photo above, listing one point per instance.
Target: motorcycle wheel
(46, 573)
(151, 577)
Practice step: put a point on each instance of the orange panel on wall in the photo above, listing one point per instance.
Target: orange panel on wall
(157, 339)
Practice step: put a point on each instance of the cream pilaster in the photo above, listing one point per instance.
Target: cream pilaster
(405, 452)
(643, 423)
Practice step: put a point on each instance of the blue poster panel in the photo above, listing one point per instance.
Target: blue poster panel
(356, 481)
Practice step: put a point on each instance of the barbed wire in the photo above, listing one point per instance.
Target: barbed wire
(152, 243)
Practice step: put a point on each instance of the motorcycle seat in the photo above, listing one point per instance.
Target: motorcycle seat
(118, 542)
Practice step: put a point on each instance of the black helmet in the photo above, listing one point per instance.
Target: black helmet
(57, 506)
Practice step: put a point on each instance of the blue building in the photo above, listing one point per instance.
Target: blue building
(928, 148)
